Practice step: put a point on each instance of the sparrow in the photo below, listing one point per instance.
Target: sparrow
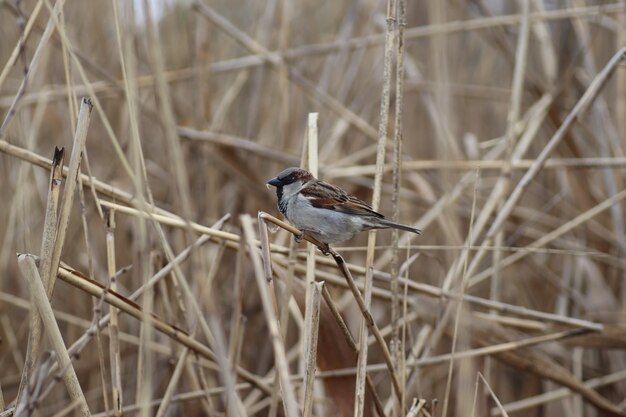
(324, 211)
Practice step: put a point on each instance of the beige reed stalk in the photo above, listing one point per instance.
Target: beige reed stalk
(312, 295)
(115, 358)
(42, 304)
(311, 328)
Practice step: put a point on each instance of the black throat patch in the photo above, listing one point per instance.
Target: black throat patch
(282, 205)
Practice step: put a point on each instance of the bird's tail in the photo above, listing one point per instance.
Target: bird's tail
(387, 223)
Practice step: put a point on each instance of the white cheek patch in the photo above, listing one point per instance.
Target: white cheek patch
(292, 189)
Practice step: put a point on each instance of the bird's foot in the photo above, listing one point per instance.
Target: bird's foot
(298, 238)
(325, 249)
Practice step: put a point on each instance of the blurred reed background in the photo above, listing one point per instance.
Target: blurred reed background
(512, 162)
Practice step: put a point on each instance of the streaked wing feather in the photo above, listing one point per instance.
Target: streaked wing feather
(330, 197)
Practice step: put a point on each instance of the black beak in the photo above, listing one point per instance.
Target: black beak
(275, 182)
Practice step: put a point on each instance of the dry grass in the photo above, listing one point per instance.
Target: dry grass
(501, 134)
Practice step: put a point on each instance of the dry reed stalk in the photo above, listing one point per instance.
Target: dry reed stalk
(288, 293)
(237, 326)
(288, 394)
(40, 296)
(361, 373)
(312, 290)
(620, 105)
(312, 166)
(78, 148)
(397, 348)
(47, 245)
(114, 345)
(309, 354)
(145, 356)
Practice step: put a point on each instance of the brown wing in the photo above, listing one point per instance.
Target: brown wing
(330, 197)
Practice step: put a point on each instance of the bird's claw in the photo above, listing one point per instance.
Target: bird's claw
(298, 238)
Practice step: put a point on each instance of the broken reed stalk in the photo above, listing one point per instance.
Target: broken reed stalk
(29, 271)
(416, 407)
(55, 227)
(71, 183)
(282, 366)
(47, 245)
